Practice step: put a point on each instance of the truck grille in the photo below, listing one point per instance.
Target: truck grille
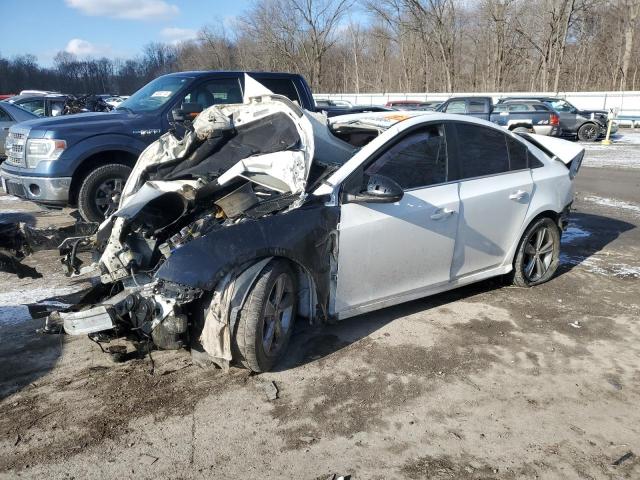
(15, 147)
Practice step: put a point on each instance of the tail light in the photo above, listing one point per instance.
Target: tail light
(555, 120)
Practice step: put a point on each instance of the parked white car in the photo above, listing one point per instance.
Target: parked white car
(264, 213)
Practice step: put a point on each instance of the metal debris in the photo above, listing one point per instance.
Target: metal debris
(627, 456)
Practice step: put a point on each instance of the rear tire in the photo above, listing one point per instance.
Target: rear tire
(538, 254)
(266, 320)
(100, 191)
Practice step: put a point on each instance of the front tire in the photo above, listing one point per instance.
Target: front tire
(266, 320)
(100, 191)
(538, 254)
(588, 132)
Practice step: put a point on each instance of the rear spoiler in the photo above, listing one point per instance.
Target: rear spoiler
(569, 153)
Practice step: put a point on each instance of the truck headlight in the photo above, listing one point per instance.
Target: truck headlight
(39, 149)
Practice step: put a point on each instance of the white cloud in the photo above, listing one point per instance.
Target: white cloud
(176, 35)
(127, 9)
(84, 48)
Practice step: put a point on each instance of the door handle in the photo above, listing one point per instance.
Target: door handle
(518, 195)
(442, 213)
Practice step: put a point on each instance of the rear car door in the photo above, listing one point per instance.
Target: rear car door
(495, 191)
(387, 250)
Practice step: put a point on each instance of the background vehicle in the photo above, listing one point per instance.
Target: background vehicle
(9, 115)
(586, 125)
(523, 116)
(333, 108)
(412, 105)
(41, 104)
(84, 160)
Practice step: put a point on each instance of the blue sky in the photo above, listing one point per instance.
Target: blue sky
(113, 28)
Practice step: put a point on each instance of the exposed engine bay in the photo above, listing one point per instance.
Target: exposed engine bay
(205, 208)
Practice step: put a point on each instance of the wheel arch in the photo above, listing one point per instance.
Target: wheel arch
(248, 274)
(95, 160)
(543, 212)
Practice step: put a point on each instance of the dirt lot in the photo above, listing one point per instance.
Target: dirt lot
(485, 382)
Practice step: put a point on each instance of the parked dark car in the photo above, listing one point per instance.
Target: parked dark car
(42, 105)
(10, 115)
(412, 105)
(333, 109)
(586, 125)
(84, 160)
(524, 116)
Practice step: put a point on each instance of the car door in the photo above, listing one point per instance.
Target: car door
(389, 250)
(495, 191)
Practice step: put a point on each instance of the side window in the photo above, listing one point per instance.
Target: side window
(281, 86)
(417, 160)
(457, 106)
(501, 107)
(56, 107)
(517, 154)
(540, 107)
(34, 106)
(476, 106)
(215, 92)
(4, 116)
(518, 107)
(483, 151)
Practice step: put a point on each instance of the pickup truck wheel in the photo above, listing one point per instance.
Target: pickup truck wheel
(100, 191)
(266, 320)
(588, 132)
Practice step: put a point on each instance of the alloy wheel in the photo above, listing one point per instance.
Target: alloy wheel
(538, 254)
(278, 315)
(590, 132)
(107, 195)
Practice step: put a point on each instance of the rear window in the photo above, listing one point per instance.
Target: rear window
(476, 106)
(282, 86)
(484, 151)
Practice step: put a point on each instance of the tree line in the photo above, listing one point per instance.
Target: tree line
(360, 46)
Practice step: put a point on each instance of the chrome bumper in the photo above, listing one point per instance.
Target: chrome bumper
(37, 189)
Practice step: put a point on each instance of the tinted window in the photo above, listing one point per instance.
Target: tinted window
(215, 92)
(281, 86)
(34, 106)
(518, 107)
(457, 106)
(482, 151)
(4, 116)
(418, 160)
(476, 106)
(517, 154)
(540, 107)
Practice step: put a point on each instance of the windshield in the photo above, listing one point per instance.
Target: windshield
(154, 94)
(562, 106)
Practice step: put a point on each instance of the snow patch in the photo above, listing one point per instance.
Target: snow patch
(600, 267)
(613, 203)
(9, 198)
(13, 305)
(573, 232)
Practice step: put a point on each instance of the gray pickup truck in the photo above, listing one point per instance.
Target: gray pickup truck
(526, 116)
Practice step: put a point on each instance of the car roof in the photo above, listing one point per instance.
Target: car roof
(28, 96)
(231, 73)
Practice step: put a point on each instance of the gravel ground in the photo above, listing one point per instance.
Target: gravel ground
(485, 382)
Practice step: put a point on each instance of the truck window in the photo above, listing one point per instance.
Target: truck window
(215, 92)
(457, 106)
(4, 116)
(518, 107)
(281, 86)
(57, 106)
(476, 106)
(34, 106)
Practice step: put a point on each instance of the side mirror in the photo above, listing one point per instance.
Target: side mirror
(379, 189)
(187, 111)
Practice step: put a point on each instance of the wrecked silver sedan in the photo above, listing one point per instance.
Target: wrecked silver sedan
(258, 214)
